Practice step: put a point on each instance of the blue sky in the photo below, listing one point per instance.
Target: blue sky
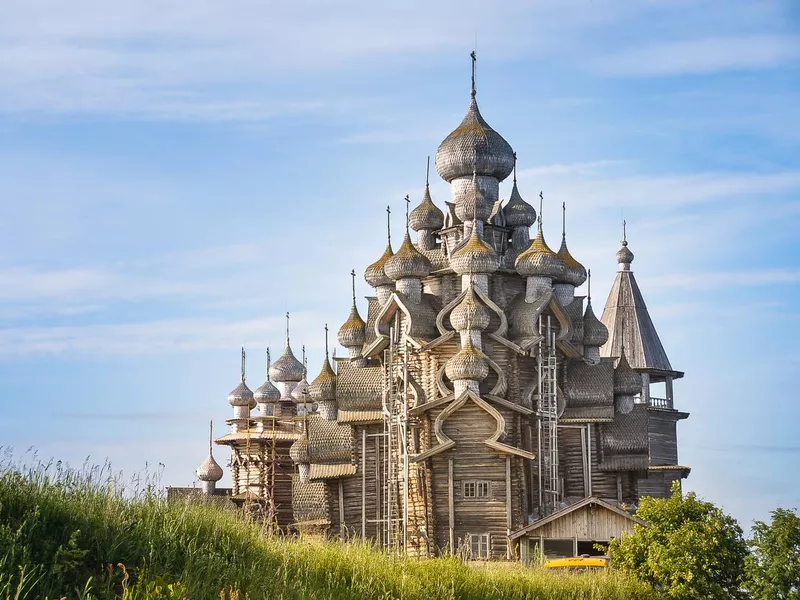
(174, 176)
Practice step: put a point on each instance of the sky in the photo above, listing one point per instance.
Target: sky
(175, 176)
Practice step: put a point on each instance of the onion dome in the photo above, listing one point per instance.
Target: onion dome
(324, 386)
(574, 272)
(300, 391)
(539, 260)
(298, 451)
(624, 255)
(474, 144)
(426, 215)
(375, 275)
(407, 262)
(266, 393)
(352, 333)
(476, 256)
(517, 212)
(468, 363)
(287, 367)
(209, 470)
(241, 396)
(594, 332)
(470, 314)
(627, 382)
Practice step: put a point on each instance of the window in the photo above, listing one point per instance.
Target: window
(479, 545)
(476, 488)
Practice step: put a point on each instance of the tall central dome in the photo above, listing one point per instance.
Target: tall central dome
(474, 145)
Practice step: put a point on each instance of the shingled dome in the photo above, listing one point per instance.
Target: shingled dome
(209, 470)
(539, 260)
(426, 215)
(375, 275)
(407, 262)
(287, 367)
(517, 212)
(467, 364)
(241, 396)
(476, 256)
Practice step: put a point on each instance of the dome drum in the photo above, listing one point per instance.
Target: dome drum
(426, 239)
(536, 286)
(624, 404)
(564, 293)
(328, 410)
(384, 292)
(241, 412)
(411, 288)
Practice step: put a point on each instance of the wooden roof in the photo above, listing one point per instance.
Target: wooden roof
(590, 501)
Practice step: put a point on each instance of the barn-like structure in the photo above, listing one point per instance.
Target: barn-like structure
(483, 408)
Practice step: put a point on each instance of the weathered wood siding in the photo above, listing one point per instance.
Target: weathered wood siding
(589, 524)
(661, 430)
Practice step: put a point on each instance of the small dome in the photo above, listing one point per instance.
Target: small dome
(426, 215)
(624, 255)
(517, 212)
(287, 367)
(539, 260)
(475, 256)
(266, 393)
(209, 470)
(470, 314)
(574, 272)
(352, 334)
(471, 203)
(468, 363)
(300, 391)
(324, 386)
(474, 145)
(299, 451)
(594, 332)
(627, 382)
(407, 262)
(375, 275)
(241, 396)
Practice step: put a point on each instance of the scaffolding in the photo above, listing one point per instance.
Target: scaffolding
(547, 417)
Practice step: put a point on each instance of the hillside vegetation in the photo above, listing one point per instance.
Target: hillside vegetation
(79, 534)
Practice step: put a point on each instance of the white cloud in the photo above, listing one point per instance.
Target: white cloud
(695, 56)
(725, 279)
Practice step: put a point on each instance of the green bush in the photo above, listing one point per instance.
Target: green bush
(79, 534)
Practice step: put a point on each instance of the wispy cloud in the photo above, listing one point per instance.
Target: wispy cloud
(712, 281)
(695, 56)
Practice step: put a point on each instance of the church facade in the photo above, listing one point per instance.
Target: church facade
(483, 408)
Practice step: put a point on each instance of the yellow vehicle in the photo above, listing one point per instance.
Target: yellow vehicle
(578, 564)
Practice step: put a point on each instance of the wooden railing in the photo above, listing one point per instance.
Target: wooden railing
(660, 403)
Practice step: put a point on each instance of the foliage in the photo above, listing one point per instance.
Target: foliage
(80, 535)
(773, 567)
(689, 549)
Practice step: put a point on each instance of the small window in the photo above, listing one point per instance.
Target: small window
(476, 488)
(479, 545)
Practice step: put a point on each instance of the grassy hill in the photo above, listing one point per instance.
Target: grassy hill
(79, 534)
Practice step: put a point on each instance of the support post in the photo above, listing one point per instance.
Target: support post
(341, 510)
(364, 483)
(508, 507)
(451, 505)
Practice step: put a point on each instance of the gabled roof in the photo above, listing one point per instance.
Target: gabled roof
(591, 500)
(625, 310)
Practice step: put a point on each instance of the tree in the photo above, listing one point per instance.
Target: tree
(773, 567)
(689, 549)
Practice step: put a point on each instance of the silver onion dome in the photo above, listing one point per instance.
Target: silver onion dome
(407, 262)
(324, 385)
(352, 333)
(209, 470)
(517, 212)
(300, 391)
(298, 451)
(474, 144)
(266, 393)
(426, 215)
(287, 368)
(624, 254)
(594, 332)
(375, 275)
(470, 314)
(241, 396)
(627, 382)
(475, 256)
(468, 363)
(574, 272)
(539, 260)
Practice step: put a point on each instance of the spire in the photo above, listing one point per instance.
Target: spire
(563, 220)
(305, 363)
(210, 438)
(287, 329)
(389, 224)
(575, 272)
(353, 277)
(624, 255)
(408, 204)
(428, 172)
(244, 363)
(326, 341)
(351, 333)
(515, 168)
(269, 362)
(589, 286)
(474, 60)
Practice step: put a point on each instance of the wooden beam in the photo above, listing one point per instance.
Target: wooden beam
(341, 509)
(508, 507)
(451, 505)
(364, 483)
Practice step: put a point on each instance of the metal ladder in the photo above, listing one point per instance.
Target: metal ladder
(547, 414)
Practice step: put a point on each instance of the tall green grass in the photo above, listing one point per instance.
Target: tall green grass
(81, 534)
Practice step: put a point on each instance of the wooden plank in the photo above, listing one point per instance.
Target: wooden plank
(451, 504)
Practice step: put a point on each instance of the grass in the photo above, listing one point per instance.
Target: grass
(80, 534)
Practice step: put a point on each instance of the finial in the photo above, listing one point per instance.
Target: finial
(353, 277)
(428, 171)
(515, 168)
(563, 220)
(244, 360)
(389, 224)
(474, 60)
(408, 203)
(210, 438)
(622, 349)
(589, 285)
(305, 368)
(624, 232)
(541, 200)
(287, 328)
(269, 362)
(326, 341)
